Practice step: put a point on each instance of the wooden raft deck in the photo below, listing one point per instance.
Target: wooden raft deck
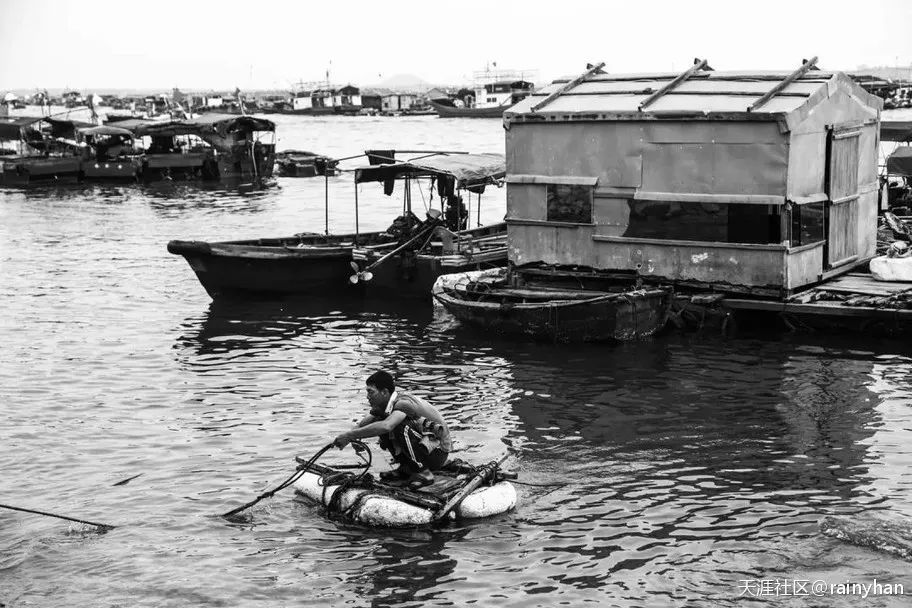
(854, 294)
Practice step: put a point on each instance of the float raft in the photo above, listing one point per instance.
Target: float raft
(369, 501)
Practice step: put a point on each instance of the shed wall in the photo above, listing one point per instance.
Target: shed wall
(691, 158)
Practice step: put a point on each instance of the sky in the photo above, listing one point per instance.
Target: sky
(266, 44)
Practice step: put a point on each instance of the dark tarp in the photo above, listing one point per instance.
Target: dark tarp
(218, 124)
(66, 128)
(131, 124)
(469, 170)
(896, 130)
(10, 128)
(900, 162)
(105, 130)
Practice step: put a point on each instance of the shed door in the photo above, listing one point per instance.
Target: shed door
(842, 190)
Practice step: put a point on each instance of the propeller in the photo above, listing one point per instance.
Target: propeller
(365, 275)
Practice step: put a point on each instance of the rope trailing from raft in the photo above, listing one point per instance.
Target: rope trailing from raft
(303, 468)
(101, 527)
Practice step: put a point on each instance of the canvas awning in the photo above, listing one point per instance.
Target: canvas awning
(896, 130)
(105, 130)
(468, 170)
(10, 128)
(219, 124)
(900, 162)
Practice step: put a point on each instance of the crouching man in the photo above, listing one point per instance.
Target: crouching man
(408, 427)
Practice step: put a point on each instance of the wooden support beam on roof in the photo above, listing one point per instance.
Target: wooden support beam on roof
(568, 86)
(806, 66)
(697, 66)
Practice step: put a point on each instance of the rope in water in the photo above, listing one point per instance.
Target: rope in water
(303, 468)
(45, 513)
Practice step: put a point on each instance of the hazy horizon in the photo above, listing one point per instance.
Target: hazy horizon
(98, 45)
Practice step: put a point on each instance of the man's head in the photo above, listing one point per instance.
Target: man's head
(380, 386)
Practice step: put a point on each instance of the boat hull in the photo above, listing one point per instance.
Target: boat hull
(616, 317)
(25, 171)
(245, 269)
(452, 112)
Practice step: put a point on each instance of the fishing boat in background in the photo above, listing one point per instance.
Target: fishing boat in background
(210, 146)
(310, 264)
(299, 163)
(34, 155)
(539, 305)
(493, 92)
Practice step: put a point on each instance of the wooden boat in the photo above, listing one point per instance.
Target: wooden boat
(299, 163)
(505, 302)
(446, 111)
(306, 264)
(211, 146)
(390, 505)
(310, 264)
(39, 157)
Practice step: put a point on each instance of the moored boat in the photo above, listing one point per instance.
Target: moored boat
(503, 301)
(310, 264)
(305, 265)
(300, 163)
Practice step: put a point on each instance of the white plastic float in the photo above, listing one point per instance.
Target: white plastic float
(378, 506)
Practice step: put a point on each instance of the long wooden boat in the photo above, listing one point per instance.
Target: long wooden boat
(310, 264)
(445, 111)
(497, 301)
(305, 264)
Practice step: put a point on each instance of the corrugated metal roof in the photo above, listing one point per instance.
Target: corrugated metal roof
(704, 92)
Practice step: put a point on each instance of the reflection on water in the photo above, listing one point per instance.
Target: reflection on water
(666, 470)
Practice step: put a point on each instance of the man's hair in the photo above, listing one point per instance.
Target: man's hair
(382, 380)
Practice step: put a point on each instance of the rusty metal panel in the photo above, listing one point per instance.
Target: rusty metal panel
(804, 267)
(550, 244)
(806, 165)
(713, 132)
(749, 267)
(610, 215)
(609, 151)
(527, 201)
(715, 168)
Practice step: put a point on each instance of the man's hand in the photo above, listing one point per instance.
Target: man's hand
(341, 440)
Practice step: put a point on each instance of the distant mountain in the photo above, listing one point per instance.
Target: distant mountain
(403, 82)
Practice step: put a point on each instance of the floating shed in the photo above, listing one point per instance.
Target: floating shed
(746, 182)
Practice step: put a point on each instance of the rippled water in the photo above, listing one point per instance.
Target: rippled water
(678, 466)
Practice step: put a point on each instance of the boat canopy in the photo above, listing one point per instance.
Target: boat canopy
(11, 127)
(215, 124)
(900, 162)
(67, 128)
(896, 130)
(472, 171)
(105, 130)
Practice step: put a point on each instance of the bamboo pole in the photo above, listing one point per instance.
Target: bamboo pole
(696, 67)
(579, 79)
(805, 67)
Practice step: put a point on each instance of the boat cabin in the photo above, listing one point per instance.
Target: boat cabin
(239, 146)
(896, 195)
(110, 153)
(502, 93)
(38, 149)
(752, 182)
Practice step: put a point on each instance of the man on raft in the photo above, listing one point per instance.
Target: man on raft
(408, 427)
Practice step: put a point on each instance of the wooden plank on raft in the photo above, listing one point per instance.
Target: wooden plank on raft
(805, 68)
(697, 66)
(567, 87)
